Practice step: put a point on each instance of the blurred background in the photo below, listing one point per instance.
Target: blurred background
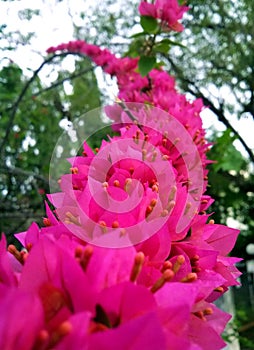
(40, 95)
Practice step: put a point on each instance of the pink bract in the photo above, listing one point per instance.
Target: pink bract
(168, 11)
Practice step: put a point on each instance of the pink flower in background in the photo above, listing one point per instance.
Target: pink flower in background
(168, 11)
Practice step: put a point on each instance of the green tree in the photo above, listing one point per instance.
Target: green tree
(31, 117)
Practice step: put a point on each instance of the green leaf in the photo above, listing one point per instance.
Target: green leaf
(172, 43)
(146, 64)
(135, 48)
(224, 150)
(149, 24)
(159, 64)
(162, 47)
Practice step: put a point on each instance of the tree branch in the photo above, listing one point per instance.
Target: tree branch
(190, 87)
(25, 173)
(15, 106)
(221, 117)
(246, 327)
(60, 82)
(19, 215)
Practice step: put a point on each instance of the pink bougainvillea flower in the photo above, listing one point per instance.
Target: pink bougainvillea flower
(147, 9)
(63, 289)
(141, 332)
(206, 325)
(159, 90)
(132, 319)
(144, 182)
(128, 258)
(168, 11)
(82, 300)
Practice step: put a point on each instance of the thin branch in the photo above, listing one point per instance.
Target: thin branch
(246, 327)
(221, 117)
(60, 82)
(126, 110)
(25, 173)
(23, 215)
(193, 89)
(9, 235)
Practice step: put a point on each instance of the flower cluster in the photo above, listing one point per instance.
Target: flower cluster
(76, 296)
(157, 89)
(128, 258)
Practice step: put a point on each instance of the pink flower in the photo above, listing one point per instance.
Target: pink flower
(168, 11)
(136, 186)
(72, 302)
(56, 299)
(206, 324)
(205, 253)
(147, 9)
(159, 90)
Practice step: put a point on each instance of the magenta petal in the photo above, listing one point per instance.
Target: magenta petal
(204, 335)
(87, 149)
(78, 336)
(53, 220)
(7, 276)
(143, 332)
(147, 9)
(21, 318)
(108, 267)
(43, 258)
(129, 301)
(157, 247)
(76, 284)
(30, 236)
(223, 238)
(180, 294)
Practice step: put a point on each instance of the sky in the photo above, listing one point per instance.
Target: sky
(55, 26)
